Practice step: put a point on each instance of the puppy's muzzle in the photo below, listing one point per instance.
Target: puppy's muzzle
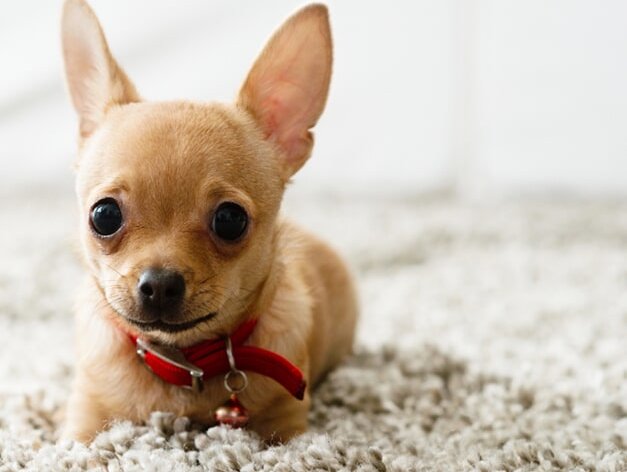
(160, 290)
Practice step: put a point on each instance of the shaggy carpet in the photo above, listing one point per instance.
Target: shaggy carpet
(492, 338)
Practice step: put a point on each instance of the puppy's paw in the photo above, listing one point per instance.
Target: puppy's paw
(282, 436)
(82, 433)
(282, 422)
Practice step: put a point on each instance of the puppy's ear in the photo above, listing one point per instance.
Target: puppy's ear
(287, 88)
(95, 80)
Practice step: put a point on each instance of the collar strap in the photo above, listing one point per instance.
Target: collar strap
(188, 367)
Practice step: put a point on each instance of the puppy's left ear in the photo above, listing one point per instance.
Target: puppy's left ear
(95, 79)
(287, 88)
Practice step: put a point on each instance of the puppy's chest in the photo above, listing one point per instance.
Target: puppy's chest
(132, 391)
(127, 389)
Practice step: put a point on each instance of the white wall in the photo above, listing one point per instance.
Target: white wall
(489, 97)
(551, 96)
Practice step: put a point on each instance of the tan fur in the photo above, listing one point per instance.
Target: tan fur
(169, 165)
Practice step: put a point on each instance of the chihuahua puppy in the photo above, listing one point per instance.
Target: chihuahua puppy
(182, 240)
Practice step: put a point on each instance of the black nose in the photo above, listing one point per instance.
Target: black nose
(161, 289)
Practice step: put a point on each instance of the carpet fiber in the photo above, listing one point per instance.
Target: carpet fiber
(492, 338)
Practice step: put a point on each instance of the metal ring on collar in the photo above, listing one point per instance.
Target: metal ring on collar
(234, 372)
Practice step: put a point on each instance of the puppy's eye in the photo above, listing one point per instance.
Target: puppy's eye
(229, 221)
(106, 217)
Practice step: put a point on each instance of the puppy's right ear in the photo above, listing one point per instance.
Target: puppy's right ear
(95, 80)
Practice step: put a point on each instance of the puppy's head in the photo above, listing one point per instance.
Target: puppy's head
(179, 200)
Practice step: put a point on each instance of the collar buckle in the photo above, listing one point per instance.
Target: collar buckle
(172, 356)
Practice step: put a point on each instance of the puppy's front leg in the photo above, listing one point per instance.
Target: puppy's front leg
(85, 417)
(286, 418)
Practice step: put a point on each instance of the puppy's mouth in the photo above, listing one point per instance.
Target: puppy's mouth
(163, 326)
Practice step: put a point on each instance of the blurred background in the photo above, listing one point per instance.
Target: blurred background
(484, 99)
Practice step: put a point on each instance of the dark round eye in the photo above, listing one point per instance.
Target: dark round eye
(229, 221)
(106, 217)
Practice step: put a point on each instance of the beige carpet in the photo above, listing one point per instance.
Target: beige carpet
(492, 338)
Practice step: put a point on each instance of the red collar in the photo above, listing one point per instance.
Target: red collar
(188, 367)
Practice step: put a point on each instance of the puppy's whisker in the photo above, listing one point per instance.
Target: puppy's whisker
(204, 281)
(113, 269)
